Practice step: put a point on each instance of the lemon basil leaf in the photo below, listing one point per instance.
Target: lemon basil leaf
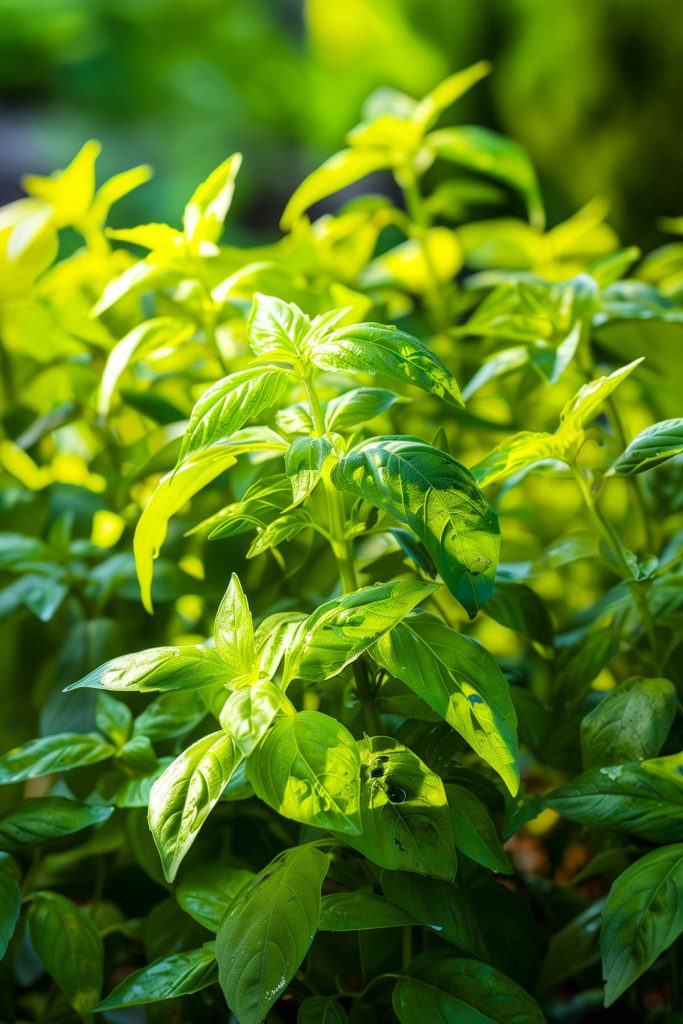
(234, 631)
(447, 991)
(177, 487)
(642, 917)
(486, 152)
(169, 977)
(360, 911)
(340, 630)
(69, 946)
(356, 407)
(650, 448)
(206, 211)
(182, 798)
(340, 170)
(248, 712)
(625, 798)
(10, 900)
(630, 723)
(459, 680)
(304, 464)
(375, 348)
(52, 754)
(433, 494)
(230, 403)
(160, 668)
(268, 930)
(404, 812)
(43, 818)
(206, 890)
(307, 768)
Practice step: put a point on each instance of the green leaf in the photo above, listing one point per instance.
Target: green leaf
(630, 723)
(170, 977)
(340, 630)
(573, 949)
(643, 916)
(518, 607)
(341, 170)
(249, 711)
(43, 818)
(427, 490)
(404, 811)
(360, 911)
(450, 991)
(284, 528)
(447, 92)
(459, 680)
(474, 832)
(440, 905)
(276, 328)
(206, 890)
(356, 407)
(113, 718)
(176, 488)
(173, 714)
(274, 638)
(307, 768)
(205, 213)
(486, 152)
(516, 453)
(650, 448)
(626, 798)
(268, 930)
(10, 900)
(234, 632)
(229, 404)
(375, 348)
(182, 798)
(68, 944)
(160, 668)
(52, 754)
(140, 341)
(304, 464)
(320, 1010)
(584, 406)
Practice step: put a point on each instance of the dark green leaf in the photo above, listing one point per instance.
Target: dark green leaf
(650, 448)
(43, 818)
(626, 798)
(267, 931)
(10, 900)
(643, 916)
(630, 723)
(360, 911)
(67, 942)
(180, 974)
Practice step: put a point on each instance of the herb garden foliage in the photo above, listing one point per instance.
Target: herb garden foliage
(295, 805)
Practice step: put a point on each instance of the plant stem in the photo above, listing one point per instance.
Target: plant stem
(419, 216)
(343, 553)
(209, 324)
(613, 541)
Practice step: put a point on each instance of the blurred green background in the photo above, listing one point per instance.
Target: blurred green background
(591, 87)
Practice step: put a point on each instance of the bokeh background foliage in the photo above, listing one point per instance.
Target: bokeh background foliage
(590, 87)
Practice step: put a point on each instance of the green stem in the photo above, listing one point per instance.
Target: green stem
(631, 482)
(420, 218)
(209, 324)
(343, 553)
(613, 542)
